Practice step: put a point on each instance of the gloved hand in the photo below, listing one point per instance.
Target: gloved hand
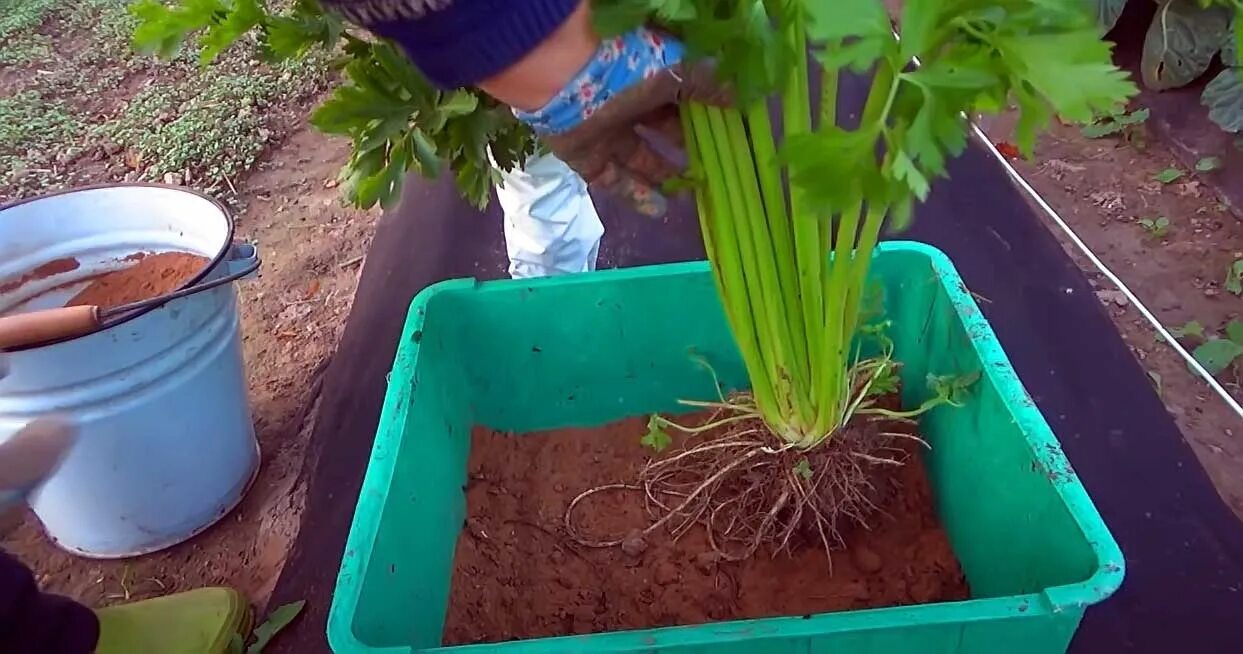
(29, 457)
(616, 122)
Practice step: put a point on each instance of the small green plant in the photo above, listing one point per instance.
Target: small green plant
(656, 438)
(1169, 175)
(205, 125)
(18, 17)
(1118, 121)
(1218, 354)
(1192, 328)
(214, 124)
(1234, 330)
(1215, 353)
(1208, 164)
(1234, 277)
(34, 130)
(1157, 227)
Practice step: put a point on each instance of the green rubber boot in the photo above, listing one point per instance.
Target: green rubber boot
(201, 621)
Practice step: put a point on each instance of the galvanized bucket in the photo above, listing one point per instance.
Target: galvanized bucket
(167, 444)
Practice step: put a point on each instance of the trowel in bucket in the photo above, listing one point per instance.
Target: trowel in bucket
(47, 325)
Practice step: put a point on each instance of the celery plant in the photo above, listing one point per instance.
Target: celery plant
(790, 220)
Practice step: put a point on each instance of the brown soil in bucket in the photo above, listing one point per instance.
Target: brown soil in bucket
(153, 275)
(517, 576)
(49, 269)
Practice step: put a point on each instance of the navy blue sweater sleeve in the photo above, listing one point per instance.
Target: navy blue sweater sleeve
(459, 43)
(33, 622)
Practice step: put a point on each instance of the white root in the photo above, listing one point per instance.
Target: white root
(746, 487)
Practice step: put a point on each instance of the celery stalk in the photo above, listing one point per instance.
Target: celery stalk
(730, 264)
(761, 288)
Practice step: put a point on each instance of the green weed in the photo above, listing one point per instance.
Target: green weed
(1208, 164)
(1214, 352)
(1168, 176)
(211, 122)
(25, 49)
(1156, 227)
(1127, 123)
(1234, 277)
(34, 130)
(215, 124)
(19, 16)
(18, 21)
(1193, 328)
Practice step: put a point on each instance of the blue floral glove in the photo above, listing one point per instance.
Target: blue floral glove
(616, 122)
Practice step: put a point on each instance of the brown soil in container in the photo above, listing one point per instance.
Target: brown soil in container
(517, 576)
(154, 274)
(49, 269)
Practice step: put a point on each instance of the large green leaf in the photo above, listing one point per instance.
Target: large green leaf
(242, 16)
(1217, 355)
(294, 34)
(614, 17)
(1181, 42)
(1230, 44)
(162, 29)
(1224, 98)
(1234, 330)
(1108, 12)
(1070, 69)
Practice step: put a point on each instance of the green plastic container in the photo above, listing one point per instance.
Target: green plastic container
(587, 349)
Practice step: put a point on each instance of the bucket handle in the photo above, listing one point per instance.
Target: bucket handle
(242, 256)
(243, 263)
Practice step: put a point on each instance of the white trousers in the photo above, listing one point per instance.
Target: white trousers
(551, 224)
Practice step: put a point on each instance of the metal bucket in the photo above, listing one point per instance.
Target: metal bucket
(167, 444)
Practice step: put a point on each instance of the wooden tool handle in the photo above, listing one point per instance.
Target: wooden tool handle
(51, 324)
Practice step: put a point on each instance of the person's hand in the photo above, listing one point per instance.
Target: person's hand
(29, 457)
(616, 122)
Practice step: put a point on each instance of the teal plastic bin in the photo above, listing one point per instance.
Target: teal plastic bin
(587, 349)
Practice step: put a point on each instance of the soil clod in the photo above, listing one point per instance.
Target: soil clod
(867, 560)
(634, 545)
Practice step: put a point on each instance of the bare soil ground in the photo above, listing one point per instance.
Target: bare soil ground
(76, 107)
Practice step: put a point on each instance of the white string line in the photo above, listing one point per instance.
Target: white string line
(1100, 265)
(1053, 215)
